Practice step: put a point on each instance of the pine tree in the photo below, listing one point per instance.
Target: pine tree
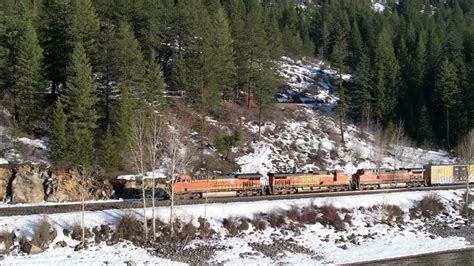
(130, 62)
(356, 46)
(79, 97)
(361, 98)
(85, 27)
(448, 91)
(124, 121)
(386, 77)
(29, 90)
(58, 136)
(82, 146)
(154, 88)
(110, 151)
(273, 34)
(237, 13)
(56, 40)
(220, 68)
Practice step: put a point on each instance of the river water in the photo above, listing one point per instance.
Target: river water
(449, 258)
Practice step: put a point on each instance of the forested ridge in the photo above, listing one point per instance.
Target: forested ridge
(80, 71)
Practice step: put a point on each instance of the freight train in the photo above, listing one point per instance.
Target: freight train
(188, 187)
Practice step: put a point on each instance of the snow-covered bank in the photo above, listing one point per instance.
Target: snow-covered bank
(365, 238)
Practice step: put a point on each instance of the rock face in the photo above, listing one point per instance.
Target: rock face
(30, 183)
(5, 175)
(27, 186)
(65, 185)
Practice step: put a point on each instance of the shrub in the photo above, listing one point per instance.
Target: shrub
(308, 215)
(293, 214)
(430, 206)
(7, 238)
(187, 232)
(43, 233)
(258, 223)
(231, 226)
(204, 228)
(276, 220)
(243, 225)
(330, 217)
(392, 213)
(465, 206)
(129, 228)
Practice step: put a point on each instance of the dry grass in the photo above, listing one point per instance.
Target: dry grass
(258, 223)
(330, 217)
(129, 228)
(293, 214)
(392, 214)
(204, 228)
(276, 220)
(43, 233)
(430, 206)
(7, 238)
(231, 225)
(308, 215)
(243, 224)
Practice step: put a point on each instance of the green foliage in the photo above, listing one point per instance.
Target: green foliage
(56, 40)
(80, 103)
(28, 89)
(79, 95)
(224, 143)
(85, 26)
(59, 141)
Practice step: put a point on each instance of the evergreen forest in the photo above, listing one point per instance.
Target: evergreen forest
(79, 71)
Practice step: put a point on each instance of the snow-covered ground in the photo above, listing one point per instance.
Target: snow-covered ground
(371, 239)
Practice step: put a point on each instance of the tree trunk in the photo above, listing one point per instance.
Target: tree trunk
(153, 205)
(466, 202)
(260, 120)
(341, 126)
(145, 224)
(83, 237)
(447, 126)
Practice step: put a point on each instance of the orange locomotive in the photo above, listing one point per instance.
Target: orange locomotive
(320, 180)
(243, 184)
(379, 178)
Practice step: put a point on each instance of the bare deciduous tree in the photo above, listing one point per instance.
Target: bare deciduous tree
(400, 144)
(84, 172)
(465, 151)
(180, 158)
(137, 144)
(154, 139)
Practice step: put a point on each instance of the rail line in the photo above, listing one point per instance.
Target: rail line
(100, 206)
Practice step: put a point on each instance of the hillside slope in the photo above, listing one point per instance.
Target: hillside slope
(306, 135)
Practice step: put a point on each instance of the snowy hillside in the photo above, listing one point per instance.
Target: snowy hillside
(306, 135)
(19, 149)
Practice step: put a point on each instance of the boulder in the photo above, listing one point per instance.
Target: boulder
(30, 249)
(5, 175)
(27, 186)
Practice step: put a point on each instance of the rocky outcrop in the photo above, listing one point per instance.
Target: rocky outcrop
(30, 183)
(27, 185)
(65, 185)
(5, 175)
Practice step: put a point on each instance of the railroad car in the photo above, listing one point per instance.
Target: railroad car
(449, 173)
(371, 178)
(187, 187)
(281, 183)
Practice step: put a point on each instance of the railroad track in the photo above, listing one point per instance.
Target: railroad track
(100, 206)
